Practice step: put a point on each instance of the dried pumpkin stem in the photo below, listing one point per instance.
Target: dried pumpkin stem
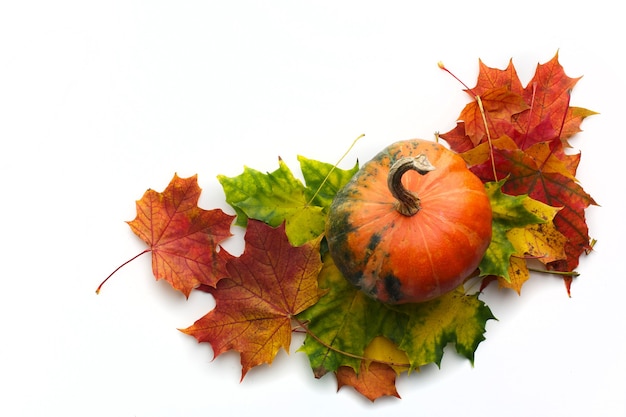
(408, 202)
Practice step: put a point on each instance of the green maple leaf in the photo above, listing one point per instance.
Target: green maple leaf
(455, 317)
(278, 196)
(345, 321)
(324, 180)
(509, 212)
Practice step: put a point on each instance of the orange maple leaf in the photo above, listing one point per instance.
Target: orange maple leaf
(490, 78)
(377, 374)
(265, 287)
(182, 237)
(373, 381)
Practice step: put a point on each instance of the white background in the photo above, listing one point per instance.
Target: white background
(101, 100)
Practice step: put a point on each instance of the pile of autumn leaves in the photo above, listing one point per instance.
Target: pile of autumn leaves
(285, 280)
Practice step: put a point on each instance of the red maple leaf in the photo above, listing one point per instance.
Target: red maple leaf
(529, 128)
(182, 237)
(544, 177)
(544, 113)
(265, 287)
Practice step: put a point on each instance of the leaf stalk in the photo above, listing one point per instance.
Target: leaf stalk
(120, 267)
(333, 168)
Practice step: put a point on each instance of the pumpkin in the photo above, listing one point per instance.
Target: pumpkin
(412, 224)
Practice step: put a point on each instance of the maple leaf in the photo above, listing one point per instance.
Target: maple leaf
(278, 197)
(521, 226)
(528, 146)
(491, 78)
(266, 286)
(377, 376)
(182, 237)
(501, 104)
(548, 93)
(542, 241)
(455, 317)
(345, 321)
(373, 381)
(543, 112)
(508, 212)
(537, 173)
(324, 180)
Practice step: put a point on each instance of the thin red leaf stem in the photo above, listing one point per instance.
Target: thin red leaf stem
(120, 267)
(440, 64)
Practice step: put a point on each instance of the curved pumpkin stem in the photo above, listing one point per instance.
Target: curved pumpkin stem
(408, 201)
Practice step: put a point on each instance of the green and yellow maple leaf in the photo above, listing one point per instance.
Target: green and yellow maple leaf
(455, 317)
(508, 212)
(541, 241)
(345, 322)
(324, 180)
(278, 196)
(522, 227)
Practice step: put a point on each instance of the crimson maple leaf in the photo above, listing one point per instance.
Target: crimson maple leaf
(529, 128)
(265, 287)
(535, 113)
(182, 237)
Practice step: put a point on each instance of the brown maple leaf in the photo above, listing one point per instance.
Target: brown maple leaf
(265, 287)
(182, 237)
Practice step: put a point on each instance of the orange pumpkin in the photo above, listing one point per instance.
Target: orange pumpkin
(411, 225)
